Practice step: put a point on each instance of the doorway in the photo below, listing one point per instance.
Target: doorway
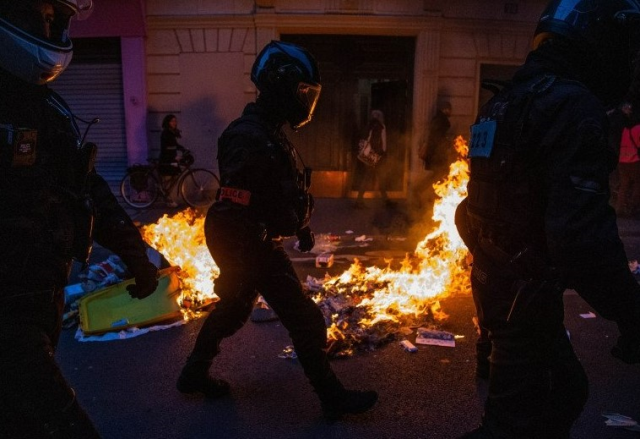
(358, 74)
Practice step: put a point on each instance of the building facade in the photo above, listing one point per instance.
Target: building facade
(193, 59)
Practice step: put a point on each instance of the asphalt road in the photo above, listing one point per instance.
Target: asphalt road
(128, 386)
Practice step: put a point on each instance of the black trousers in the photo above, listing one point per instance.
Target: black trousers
(35, 400)
(248, 267)
(537, 386)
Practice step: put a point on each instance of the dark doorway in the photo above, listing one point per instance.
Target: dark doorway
(358, 73)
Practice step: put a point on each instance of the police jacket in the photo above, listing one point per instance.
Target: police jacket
(256, 158)
(50, 193)
(538, 190)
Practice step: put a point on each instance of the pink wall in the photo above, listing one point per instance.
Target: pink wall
(112, 18)
(125, 19)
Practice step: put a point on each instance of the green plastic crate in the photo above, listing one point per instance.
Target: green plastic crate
(113, 309)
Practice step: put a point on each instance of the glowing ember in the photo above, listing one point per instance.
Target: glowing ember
(181, 241)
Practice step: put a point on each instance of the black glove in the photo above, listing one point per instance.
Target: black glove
(146, 276)
(306, 239)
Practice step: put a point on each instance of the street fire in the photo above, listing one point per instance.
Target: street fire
(181, 241)
(364, 307)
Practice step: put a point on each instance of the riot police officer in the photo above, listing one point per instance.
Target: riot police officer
(52, 199)
(263, 199)
(538, 207)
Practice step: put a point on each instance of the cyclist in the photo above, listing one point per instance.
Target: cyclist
(169, 146)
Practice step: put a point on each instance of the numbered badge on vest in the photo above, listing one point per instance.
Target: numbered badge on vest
(482, 136)
(24, 147)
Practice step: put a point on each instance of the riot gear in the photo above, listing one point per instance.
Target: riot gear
(264, 198)
(34, 37)
(538, 210)
(288, 74)
(606, 31)
(53, 200)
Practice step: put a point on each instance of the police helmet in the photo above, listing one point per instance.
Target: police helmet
(288, 74)
(34, 37)
(608, 30)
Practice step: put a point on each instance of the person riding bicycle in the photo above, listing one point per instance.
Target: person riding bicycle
(169, 146)
(52, 200)
(264, 198)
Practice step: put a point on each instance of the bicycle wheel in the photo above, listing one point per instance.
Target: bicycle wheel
(139, 188)
(199, 187)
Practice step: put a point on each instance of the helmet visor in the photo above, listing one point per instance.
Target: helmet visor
(308, 95)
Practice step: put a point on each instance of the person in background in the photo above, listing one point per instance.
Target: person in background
(436, 152)
(628, 199)
(263, 199)
(169, 146)
(53, 205)
(377, 136)
(539, 213)
(169, 163)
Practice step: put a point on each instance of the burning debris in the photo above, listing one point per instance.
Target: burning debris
(364, 307)
(367, 307)
(181, 241)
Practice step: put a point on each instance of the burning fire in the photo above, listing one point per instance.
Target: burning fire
(181, 241)
(384, 301)
(364, 306)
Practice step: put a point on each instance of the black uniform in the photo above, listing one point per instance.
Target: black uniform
(169, 148)
(539, 205)
(48, 192)
(244, 232)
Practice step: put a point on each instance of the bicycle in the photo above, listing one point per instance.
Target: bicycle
(143, 184)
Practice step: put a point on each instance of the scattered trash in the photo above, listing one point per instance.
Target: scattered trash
(408, 346)
(617, 420)
(333, 238)
(349, 232)
(324, 260)
(588, 315)
(108, 272)
(314, 284)
(288, 353)
(363, 238)
(435, 338)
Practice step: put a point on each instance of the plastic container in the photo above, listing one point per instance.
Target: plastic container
(113, 309)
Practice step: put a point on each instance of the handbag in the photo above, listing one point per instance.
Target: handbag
(366, 154)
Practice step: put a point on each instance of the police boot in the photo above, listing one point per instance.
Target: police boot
(337, 401)
(195, 379)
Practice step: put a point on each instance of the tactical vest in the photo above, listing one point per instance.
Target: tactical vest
(290, 185)
(505, 197)
(42, 172)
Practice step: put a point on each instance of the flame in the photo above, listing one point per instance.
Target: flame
(363, 302)
(384, 300)
(180, 239)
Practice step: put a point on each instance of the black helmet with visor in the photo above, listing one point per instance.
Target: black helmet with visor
(288, 74)
(607, 30)
(34, 36)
